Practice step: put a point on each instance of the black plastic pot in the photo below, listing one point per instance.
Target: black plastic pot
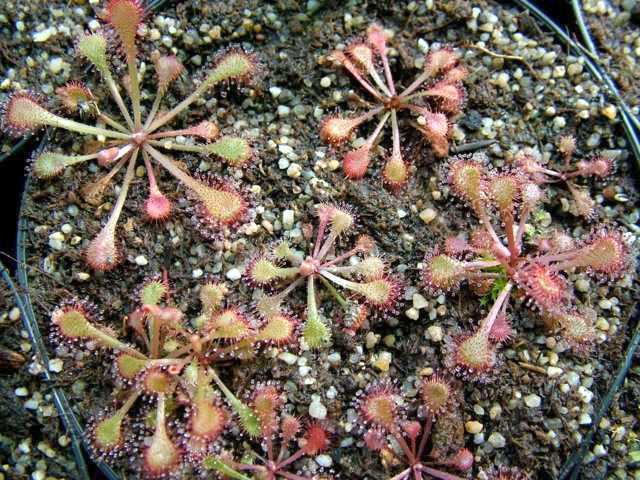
(571, 468)
(68, 420)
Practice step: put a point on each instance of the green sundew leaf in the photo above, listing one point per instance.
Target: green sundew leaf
(215, 463)
(108, 432)
(235, 151)
(93, 47)
(283, 250)
(129, 366)
(263, 271)
(315, 332)
(248, 419)
(153, 292)
(49, 164)
(497, 286)
(235, 65)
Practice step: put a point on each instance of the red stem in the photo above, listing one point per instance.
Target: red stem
(507, 218)
(339, 258)
(440, 474)
(501, 250)
(495, 309)
(411, 457)
(320, 235)
(356, 74)
(153, 184)
(300, 453)
(524, 215)
(425, 434)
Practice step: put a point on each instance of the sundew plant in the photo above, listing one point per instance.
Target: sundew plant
(133, 133)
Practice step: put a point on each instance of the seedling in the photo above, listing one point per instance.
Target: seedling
(435, 97)
(379, 408)
(368, 279)
(277, 432)
(598, 167)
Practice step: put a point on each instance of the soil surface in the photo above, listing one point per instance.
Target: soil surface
(33, 443)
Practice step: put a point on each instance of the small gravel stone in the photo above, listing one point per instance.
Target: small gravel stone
(56, 241)
(573, 379)
(14, 314)
(497, 440)
(275, 91)
(234, 274)
(383, 361)
(21, 392)
(283, 163)
(609, 111)
(559, 123)
(419, 301)
(554, 372)
(605, 304)
(197, 273)
(317, 410)
(427, 215)
(495, 411)
(283, 111)
(288, 358)
(56, 365)
(288, 218)
(38, 475)
(473, 426)
(599, 450)
(141, 260)
(585, 394)
(334, 358)
(324, 460)
(584, 419)
(582, 285)
(532, 401)
(435, 333)
(83, 276)
(56, 65)
(325, 82)
(412, 313)
(294, 170)
(44, 35)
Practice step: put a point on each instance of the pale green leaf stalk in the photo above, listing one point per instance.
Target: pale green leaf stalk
(153, 292)
(215, 463)
(94, 48)
(73, 324)
(315, 331)
(236, 151)
(108, 431)
(50, 164)
(234, 66)
(248, 419)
